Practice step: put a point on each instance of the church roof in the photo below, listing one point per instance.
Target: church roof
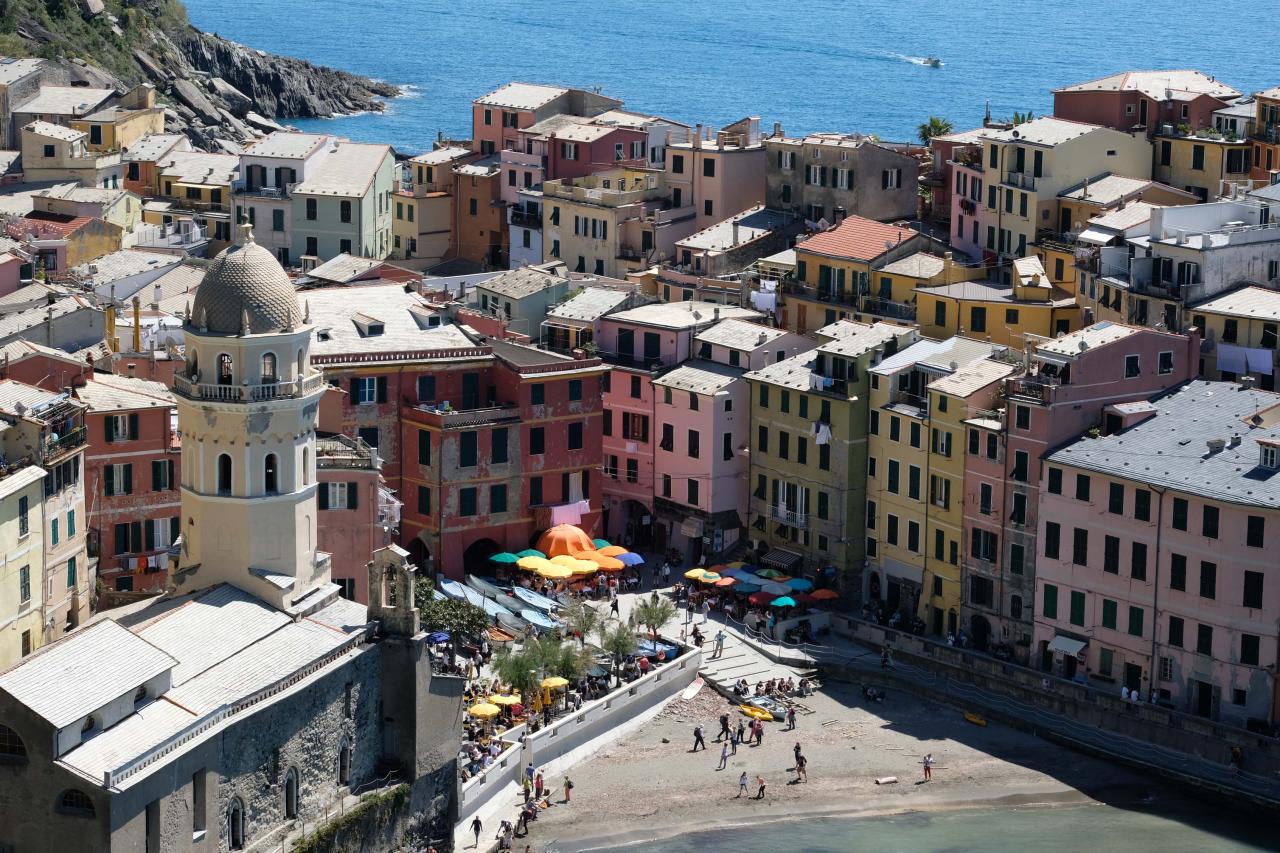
(245, 280)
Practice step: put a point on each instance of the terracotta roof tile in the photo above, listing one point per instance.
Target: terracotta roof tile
(856, 237)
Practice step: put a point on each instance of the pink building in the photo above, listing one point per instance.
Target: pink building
(965, 175)
(641, 344)
(944, 150)
(1133, 100)
(498, 117)
(358, 516)
(702, 418)
(1072, 380)
(1158, 539)
(720, 175)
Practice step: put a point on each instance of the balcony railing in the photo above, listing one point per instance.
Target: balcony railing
(889, 308)
(468, 418)
(267, 192)
(525, 219)
(1021, 180)
(791, 518)
(1038, 388)
(248, 393)
(906, 398)
(55, 447)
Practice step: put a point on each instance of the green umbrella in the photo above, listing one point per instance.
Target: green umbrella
(531, 552)
(504, 557)
(600, 543)
(783, 601)
(768, 573)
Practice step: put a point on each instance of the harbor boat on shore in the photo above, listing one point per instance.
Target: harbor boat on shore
(491, 591)
(533, 599)
(502, 615)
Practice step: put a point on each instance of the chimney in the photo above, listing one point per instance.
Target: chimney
(1246, 383)
(777, 130)
(1215, 445)
(715, 313)
(735, 233)
(156, 294)
(132, 369)
(1234, 440)
(697, 136)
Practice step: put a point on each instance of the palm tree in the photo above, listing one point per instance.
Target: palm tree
(618, 640)
(935, 126)
(653, 612)
(519, 669)
(581, 619)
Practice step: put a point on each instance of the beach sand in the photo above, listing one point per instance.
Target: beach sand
(641, 788)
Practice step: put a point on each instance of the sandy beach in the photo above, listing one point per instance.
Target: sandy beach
(649, 785)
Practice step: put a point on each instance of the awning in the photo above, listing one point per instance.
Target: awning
(1066, 645)
(781, 559)
(692, 527)
(1100, 236)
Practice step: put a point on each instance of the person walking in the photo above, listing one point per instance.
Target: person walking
(759, 733)
(666, 573)
(568, 788)
(742, 785)
(733, 742)
(719, 650)
(724, 755)
(742, 731)
(928, 766)
(706, 609)
(537, 785)
(697, 738)
(795, 750)
(791, 718)
(527, 785)
(760, 782)
(802, 768)
(613, 607)
(477, 827)
(724, 728)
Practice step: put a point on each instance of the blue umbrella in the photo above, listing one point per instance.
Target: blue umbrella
(438, 637)
(741, 574)
(783, 601)
(746, 587)
(631, 558)
(800, 584)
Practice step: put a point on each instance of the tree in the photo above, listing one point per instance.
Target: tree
(1023, 118)
(581, 618)
(653, 612)
(618, 641)
(459, 618)
(519, 669)
(935, 126)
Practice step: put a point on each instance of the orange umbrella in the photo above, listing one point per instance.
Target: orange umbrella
(564, 539)
(824, 594)
(726, 581)
(612, 551)
(605, 562)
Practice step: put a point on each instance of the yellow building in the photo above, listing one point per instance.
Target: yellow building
(892, 287)
(1201, 163)
(899, 509)
(422, 220)
(195, 186)
(969, 392)
(22, 574)
(112, 129)
(1026, 166)
(1000, 313)
(1243, 331)
(833, 272)
(51, 152)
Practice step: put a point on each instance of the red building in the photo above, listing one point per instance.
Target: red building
(1135, 100)
(358, 515)
(485, 442)
(132, 471)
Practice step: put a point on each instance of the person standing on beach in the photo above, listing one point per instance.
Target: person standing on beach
(568, 788)
(802, 769)
(719, 644)
(697, 738)
(791, 718)
(724, 727)
(613, 607)
(724, 755)
(796, 751)
(476, 827)
(733, 742)
(742, 785)
(742, 731)
(760, 792)
(928, 767)
(537, 785)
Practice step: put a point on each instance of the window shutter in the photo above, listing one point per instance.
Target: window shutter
(150, 532)
(128, 479)
(353, 501)
(172, 484)
(122, 539)
(133, 426)
(884, 180)
(155, 475)
(822, 176)
(604, 229)
(109, 484)
(322, 496)
(175, 528)
(110, 423)
(779, 158)
(382, 389)
(355, 390)
(135, 536)
(897, 178)
(808, 175)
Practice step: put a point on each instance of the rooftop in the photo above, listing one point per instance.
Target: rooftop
(589, 304)
(199, 167)
(919, 265)
(992, 291)
(1097, 335)
(21, 322)
(286, 145)
(64, 100)
(441, 155)
(1127, 217)
(740, 335)
(519, 283)
(525, 355)
(13, 69)
(405, 320)
(856, 238)
(15, 351)
(123, 264)
(751, 224)
(972, 377)
(964, 137)
(1171, 449)
(343, 268)
(700, 377)
(482, 168)
(347, 171)
(1252, 301)
(853, 340)
(683, 315)
(153, 146)
(106, 392)
(54, 131)
(1157, 85)
(946, 356)
(1106, 189)
(1046, 130)
(521, 96)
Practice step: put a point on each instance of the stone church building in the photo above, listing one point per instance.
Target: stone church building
(250, 697)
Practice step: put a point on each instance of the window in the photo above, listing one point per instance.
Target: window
(633, 470)
(1082, 487)
(983, 545)
(1175, 632)
(1252, 590)
(1052, 539)
(424, 500)
(1208, 579)
(73, 802)
(709, 168)
(635, 387)
(915, 434)
(891, 534)
(537, 441)
(1016, 559)
(498, 498)
(1138, 561)
(121, 427)
(1209, 523)
(1019, 513)
(468, 448)
(984, 498)
(1204, 639)
(977, 319)
(271, 474)
(635, 427)
(1109, 608)
(498, 446)
(892, 484)
(981, 591)
(913, 537)
(311, 209)
(1178, 572)
(1055, 481)
(1020, 463)
(677, 164)
(762, 439)
(53, 532)
(1111, 555)
(224, 475)
(1080, 547)
(726, 446)
(1180, 514)
(1076, 616)
(1135, 621)
(693, 492)
(467, 502)
(1249, 647)
(1115, 498)
(575, 436)
(895, 428)
(1197, 156)
(1142, 505)
(913, 482)
(784, 444)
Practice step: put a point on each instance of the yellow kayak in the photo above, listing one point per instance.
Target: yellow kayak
(970, 717)
(756, 713)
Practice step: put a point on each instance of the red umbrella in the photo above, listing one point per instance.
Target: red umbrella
(760, 597)
(803, 598)
(823, 594)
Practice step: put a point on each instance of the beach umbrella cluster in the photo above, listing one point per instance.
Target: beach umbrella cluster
(564, 552)
(763, 587)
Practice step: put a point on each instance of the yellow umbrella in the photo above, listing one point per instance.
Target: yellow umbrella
(709, 577)
(554, 681)
(554, 572)
(612, 551)
(505, 700)
(601, 560)
(565, 560)
(694, 574)
(533, 563)
(484, 710)
(585, 567)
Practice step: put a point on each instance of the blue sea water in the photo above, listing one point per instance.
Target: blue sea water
(840, 65)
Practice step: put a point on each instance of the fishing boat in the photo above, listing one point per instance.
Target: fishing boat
(491, 591)
(461, 592)
(933, 62)
(533, 599)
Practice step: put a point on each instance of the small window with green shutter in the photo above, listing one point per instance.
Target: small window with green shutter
(467, 502)
(1077, 608)
(1135, 621)
(71, 573)
(1109, 609)
(1050, 605)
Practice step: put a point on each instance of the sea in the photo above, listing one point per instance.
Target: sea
(811, 65)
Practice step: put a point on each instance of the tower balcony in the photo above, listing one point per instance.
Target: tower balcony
(246, 393)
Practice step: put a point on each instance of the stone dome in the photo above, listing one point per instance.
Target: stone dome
(245, 279)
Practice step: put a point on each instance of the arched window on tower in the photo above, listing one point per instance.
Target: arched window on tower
(291, 793)
(193, 365)
(301, 365)
(271, 474)
(269, 375)
(224, 474)
(306, 466)
(235, 824)
(224, 369)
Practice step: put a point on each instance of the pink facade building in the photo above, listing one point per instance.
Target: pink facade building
(358, 515)
(720, 174)
(1072, 382)
(1157, 565)
(498, 117)
(1145, 100)
(641, 344)
(965, 176)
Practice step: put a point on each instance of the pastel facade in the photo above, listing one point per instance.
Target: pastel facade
(1003, 314)
(720, 174)
(52, 152)
(1144, 100)
(498, 117)
(1205, 163)
(423, 229)
(270, 170)
(1265, 134)
(830, 175)
(344, 205)
(22, 529)
(1242, 325)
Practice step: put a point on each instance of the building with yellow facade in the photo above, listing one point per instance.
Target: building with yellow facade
(1204, 162)
(22, 573)
(112, 129)
(1000, 313)
(51, 152)
(424, 207)
(195, 187)
(1242, 331)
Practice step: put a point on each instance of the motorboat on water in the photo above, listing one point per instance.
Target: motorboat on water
(933, 62)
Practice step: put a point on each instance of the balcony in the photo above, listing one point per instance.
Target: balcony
(626, 253)
(525, 219)
(269, 193)
(342, 452)
(906, 398)
(184, 236)
(467, 418)
(782, 515)
(246, 393)
(1269, 132)
(63, 444)
(1020, 180)
(650, 365)
(181, 204)
(888, 308)
(1038, 389)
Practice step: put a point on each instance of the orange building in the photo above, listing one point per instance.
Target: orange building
(1266, 136)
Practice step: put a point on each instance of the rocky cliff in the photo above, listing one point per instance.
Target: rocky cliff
(218, 92)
